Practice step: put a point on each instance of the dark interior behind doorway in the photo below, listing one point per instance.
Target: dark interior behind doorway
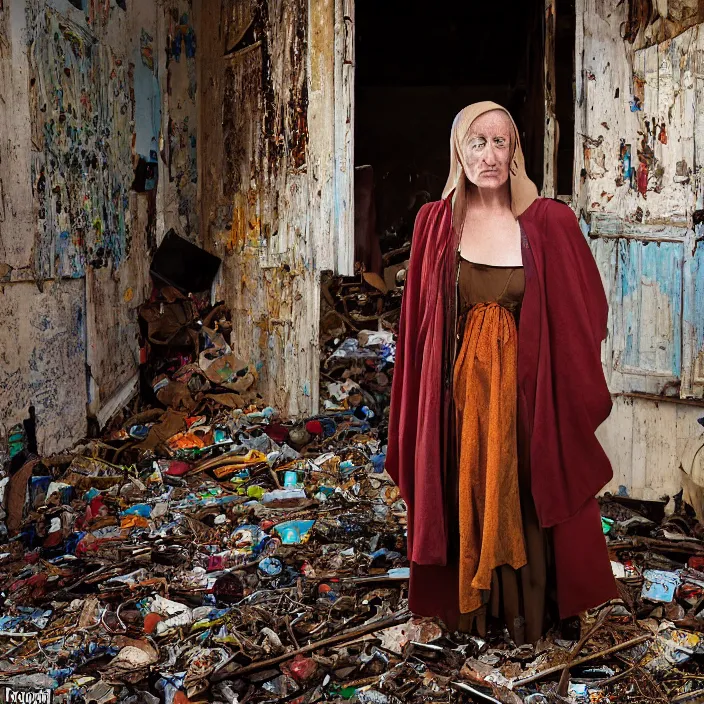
(565, 98)
(417, 65)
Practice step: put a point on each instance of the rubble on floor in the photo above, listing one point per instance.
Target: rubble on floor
(208, 550)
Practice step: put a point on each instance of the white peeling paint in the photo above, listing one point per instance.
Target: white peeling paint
(643, 107)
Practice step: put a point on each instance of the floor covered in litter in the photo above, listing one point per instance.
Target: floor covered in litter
(204, 549)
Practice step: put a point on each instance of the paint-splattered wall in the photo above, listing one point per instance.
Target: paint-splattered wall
(81, 111)
(112, 147)
(47, 329)
(639, 191)
(79, 176)
(180, 144)
(639, 178)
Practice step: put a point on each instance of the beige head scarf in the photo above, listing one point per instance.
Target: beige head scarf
(523, 190)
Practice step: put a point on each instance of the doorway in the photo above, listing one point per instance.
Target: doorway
(417, 66)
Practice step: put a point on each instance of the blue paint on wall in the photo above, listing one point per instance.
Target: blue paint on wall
(183, 40)
(147, 109)
(694, 301)
(584, 226)
(83, 173)
(650, 264)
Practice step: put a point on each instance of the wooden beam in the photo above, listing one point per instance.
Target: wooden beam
(343, 206)
(658, 399)
(551, 127)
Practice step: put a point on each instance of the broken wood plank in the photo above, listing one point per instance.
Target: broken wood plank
(564, 680)
(224, 671)
(661, 399)
(588, 658)
(684, 546)
(551, 128)
(695, 696)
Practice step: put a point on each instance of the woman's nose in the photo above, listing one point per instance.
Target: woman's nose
(490, 155)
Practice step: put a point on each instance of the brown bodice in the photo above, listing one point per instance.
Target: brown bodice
(485, 283)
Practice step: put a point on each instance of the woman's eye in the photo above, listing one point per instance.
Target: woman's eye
(478, 145)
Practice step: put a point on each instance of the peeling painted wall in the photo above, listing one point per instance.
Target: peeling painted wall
(42, 359)
(639, 178)
(110, 149)
(276, 178)
(179, 207)
(652, 22)
(639, 137)
(80, 112)
(80, 121)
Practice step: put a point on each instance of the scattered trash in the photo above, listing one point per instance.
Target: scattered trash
(207, 549)
(659, 585)
(179, 263)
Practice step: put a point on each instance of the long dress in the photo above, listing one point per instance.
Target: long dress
(501, 548)
(561, 397)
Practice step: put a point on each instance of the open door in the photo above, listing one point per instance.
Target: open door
(276, 176)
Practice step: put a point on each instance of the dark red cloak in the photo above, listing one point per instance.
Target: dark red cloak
(560, 376)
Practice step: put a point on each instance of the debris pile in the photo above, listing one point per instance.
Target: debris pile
(358, 340)
(205, 549)
(262, 561)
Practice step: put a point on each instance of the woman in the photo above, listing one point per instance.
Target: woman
(498, 389)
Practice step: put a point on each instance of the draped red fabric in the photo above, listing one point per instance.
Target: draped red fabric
(562, 323)
(415, 457)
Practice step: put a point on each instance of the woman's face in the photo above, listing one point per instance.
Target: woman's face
(488, 149)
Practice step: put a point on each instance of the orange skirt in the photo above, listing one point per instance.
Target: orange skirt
(485, 395)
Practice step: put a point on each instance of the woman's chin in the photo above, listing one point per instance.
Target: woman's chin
(490, 183)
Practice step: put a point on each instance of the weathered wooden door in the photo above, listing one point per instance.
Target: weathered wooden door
(276, 185)
(639, 128)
